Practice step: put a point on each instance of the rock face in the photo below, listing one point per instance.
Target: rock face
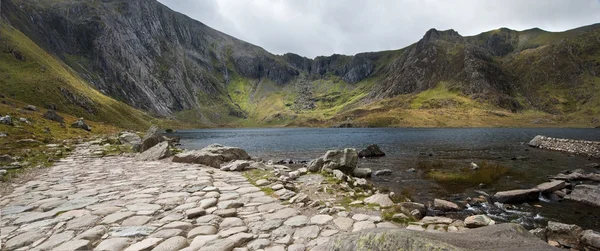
(80, 123)
(566, 235)
(516, 196)
(157, 152)
(587, 194)
(213, 155)
(52, 115)
(371, 151)
(583, 147)
(497, 237)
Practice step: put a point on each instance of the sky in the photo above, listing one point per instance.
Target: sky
(323, 27)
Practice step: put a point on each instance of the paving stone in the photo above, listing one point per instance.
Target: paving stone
(172, 244)
(74, 245)
(308, 232)
(145, 244)
(209, 202)
(275, 248)
(297, 221)
(166, 233)
(240, 239)
(201, 240)
(232, 212)
(360, 225)
(219, 245)
(82, 222)
(282, 214)
(343, 223)
(229, 204)
(93, 234)
(296, 247)
(178, 225)
(258, 244)
(104, 211)
(202, 230)
(329, 232)
(231, 222)
(269, 225)
(55, 240)
(116, 217)
(136, 221)
(113, 244)
(195, 213)
(131, 231)
(361, 217)
(232, 231)
(321, 219)
(209, 219)
(23, 239)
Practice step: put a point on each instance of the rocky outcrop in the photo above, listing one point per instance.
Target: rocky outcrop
(583, 147)
(157, 152)
(371, 151)
(213, 155)
(497, 237)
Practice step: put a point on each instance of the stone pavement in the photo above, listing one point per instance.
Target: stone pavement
(117, 203)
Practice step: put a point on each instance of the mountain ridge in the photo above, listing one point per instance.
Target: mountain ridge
(154, 59)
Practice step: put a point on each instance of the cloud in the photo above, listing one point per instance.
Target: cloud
(315, 27)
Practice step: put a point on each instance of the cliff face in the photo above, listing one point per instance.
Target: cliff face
(155, 59)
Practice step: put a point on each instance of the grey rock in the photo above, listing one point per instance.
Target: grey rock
(195, 213)
(347, 159)
(540, 233)
(52, 115)
(362, 172)
(590, 239)
(316, 165)
(444, 205)
(31, 108)
(74, 245)
(202, 230)
(551, 186)
(55, 240)
(475, 221)
(339, 175)
(80, 124)
(259, 244)
(22, 240)
(497, 237)
(566, 235)
(219, 245)
(131, 231)
(237, 165)
(321, 219)
(308, 232)
(113, 244)
(151, 138)
(383, 172)
(516, 196)
(362, 225)
(93, 234)
(144, 245)
(6, 120)
(587, 194)
(371, 151)
(213, 155)
(157, 152)
(172, 244)
(382, 200)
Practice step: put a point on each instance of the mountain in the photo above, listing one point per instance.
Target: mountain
(141, 53)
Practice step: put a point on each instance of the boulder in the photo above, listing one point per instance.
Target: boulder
(587, 194)
(383, 172)
(409, 207)
(590, 239)
(347, 159)
(536, 141)
(129, 138)
(6, 120)
(237, 165)
(151, 138)
(316, 165)
(339, 175)
(444, 205)
(382, 200)
(516, 196)
(566, 235)
(52, 115)
(80, 123)
(31, 108)
(481, 220)
(372, 151)
(540, 233)
(362, 172)
(157, 152)
(497, 237)
(213, 155)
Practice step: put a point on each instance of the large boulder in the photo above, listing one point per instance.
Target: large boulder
(347, 159)
(157, 152)
(587, 194)
(52, 115)
(412, 208)
(80, 123)
(372, 151)
(152, 138)
(537, 141)
(315, 165)
(213, 155)
(497, 237)
(566, 235)
(517, 196)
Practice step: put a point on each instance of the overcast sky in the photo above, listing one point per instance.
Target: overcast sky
(323, 27)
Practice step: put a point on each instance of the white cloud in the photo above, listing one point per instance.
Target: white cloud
(316, 27)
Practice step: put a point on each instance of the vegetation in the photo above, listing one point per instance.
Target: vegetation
(456, 178)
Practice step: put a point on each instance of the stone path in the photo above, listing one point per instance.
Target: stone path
(117, 203)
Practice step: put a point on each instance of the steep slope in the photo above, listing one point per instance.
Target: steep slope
(152, 58)
(31, 75)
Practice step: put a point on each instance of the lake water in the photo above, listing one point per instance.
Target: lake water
(408, 148)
